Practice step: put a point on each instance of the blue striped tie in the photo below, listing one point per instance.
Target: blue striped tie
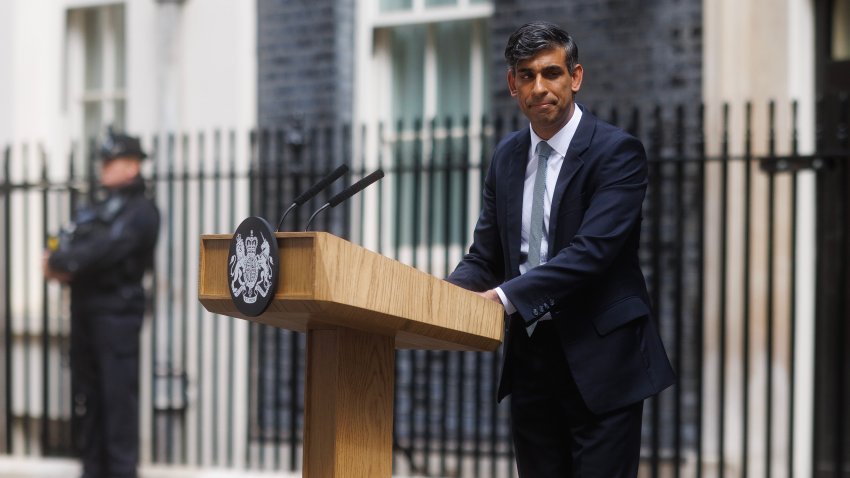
(535, 229)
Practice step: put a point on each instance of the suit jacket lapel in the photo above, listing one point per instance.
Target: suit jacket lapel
(572, 163)
(514, 188)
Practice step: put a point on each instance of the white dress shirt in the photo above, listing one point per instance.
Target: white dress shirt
(559, 143)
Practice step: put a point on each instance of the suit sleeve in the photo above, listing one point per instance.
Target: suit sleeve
(619, 183)
(482, 268)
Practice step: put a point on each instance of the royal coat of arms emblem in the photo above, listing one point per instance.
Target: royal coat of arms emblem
(253, 266)
(250, 272)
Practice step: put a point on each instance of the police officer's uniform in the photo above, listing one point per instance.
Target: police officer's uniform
(107, 250)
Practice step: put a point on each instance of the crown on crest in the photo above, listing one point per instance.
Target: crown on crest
(251, 243)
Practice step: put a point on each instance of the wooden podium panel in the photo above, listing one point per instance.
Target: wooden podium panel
(356, 306)
(349, 414)
(327, 282)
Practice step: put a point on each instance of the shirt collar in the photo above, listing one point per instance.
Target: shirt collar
(560, 142)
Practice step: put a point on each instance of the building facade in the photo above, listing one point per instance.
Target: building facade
(742, 107)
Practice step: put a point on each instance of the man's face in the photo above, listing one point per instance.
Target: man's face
(544, 90)
(119, 171)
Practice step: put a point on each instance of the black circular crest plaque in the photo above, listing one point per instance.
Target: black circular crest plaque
(252, 265)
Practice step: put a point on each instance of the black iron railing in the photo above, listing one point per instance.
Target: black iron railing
(719, 245)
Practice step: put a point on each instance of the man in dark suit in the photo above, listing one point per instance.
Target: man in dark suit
(556, 243)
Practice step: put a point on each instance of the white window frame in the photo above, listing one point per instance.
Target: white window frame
(421, 13)
(373, 73)
(373, 82)
(77, 95)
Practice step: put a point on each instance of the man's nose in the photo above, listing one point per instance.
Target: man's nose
(539, 87)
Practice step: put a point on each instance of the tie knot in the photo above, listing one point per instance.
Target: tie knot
(543, 149)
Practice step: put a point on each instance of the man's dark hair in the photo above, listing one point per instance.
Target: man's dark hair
(536, 36)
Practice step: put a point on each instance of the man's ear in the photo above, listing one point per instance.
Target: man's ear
(577, 76)
(512, 82)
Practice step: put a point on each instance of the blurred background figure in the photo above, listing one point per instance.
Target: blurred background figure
(103, 255)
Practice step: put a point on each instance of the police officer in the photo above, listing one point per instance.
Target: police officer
(103, 256)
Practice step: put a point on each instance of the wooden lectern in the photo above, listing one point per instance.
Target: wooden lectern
(356, 307)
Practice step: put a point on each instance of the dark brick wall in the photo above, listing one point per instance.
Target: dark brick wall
(633, 51)
(305, 65)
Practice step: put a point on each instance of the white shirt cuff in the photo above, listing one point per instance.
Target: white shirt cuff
(509, 308)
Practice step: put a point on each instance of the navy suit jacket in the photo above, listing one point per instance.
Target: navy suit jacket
(592, 284)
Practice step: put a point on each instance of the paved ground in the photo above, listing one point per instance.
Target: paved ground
(63, 468)
(11, 467)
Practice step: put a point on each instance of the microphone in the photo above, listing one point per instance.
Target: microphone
(347, 193)
(315, 189)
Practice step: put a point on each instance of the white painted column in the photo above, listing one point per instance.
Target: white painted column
(760, 51)
(801, 80)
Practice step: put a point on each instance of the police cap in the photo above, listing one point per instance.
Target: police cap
(118, 145)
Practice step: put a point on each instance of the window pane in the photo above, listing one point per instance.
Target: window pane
(484, 38)
(119, 29)
(394, 5)
(93, 50)
(841, 30)
(92, 121)
(440, 3)
(119, 121)
(408, 53)
(453, 68)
